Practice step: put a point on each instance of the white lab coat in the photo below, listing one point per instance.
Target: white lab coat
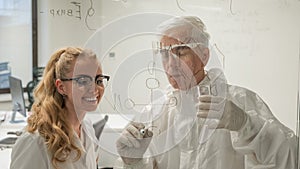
(263, 143)
(30, 152)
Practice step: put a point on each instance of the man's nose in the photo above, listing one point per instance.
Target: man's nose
(173, 60)
(172, 64)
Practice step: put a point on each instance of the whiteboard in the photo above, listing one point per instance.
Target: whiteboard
(258, 39)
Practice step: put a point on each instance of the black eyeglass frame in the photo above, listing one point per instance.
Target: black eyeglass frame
(95, 80)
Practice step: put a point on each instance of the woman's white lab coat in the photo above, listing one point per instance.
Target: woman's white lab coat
(263, 142)
(30, 152)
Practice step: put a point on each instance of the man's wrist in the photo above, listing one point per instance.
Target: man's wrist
(133, 163)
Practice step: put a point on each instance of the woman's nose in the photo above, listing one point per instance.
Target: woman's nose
(92, 87)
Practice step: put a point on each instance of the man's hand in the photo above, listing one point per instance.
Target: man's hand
(133, 142)
(228, 115)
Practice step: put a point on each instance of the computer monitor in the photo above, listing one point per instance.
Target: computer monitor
(17, 96)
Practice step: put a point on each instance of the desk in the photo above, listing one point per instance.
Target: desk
(5, 127)
(116, 122)
(111, 133)
(5, 158)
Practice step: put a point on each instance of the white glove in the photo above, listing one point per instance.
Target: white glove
(228, 115)
(133, 143)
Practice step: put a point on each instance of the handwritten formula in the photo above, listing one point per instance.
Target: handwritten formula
(74, 11)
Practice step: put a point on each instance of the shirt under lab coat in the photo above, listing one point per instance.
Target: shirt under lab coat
(30, 152)
(263, 142)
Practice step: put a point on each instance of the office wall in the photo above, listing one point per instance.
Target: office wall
(60, 24)
(258, 39)
(15, 38)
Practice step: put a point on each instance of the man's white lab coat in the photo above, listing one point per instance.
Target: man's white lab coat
(263, 142)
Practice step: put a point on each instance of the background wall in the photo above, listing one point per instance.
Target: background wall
(258, 42)
(15, 37)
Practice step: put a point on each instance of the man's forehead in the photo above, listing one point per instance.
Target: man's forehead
(178, 33)
(166, 41)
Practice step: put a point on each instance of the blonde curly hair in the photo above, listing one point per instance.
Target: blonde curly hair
(49, 115)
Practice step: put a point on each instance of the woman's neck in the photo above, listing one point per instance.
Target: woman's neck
(75, 120)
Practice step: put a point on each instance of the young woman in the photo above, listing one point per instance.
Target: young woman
(56, 136)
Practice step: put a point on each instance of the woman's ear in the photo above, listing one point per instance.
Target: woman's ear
(60, 86)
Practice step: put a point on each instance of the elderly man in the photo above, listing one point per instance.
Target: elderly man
(211, 125)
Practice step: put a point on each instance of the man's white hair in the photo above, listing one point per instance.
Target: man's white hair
(187, 29)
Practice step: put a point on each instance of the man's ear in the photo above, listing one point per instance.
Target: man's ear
(205, 56)
(60, 86)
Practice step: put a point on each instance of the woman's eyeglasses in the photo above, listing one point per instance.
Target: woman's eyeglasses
(85, 80)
